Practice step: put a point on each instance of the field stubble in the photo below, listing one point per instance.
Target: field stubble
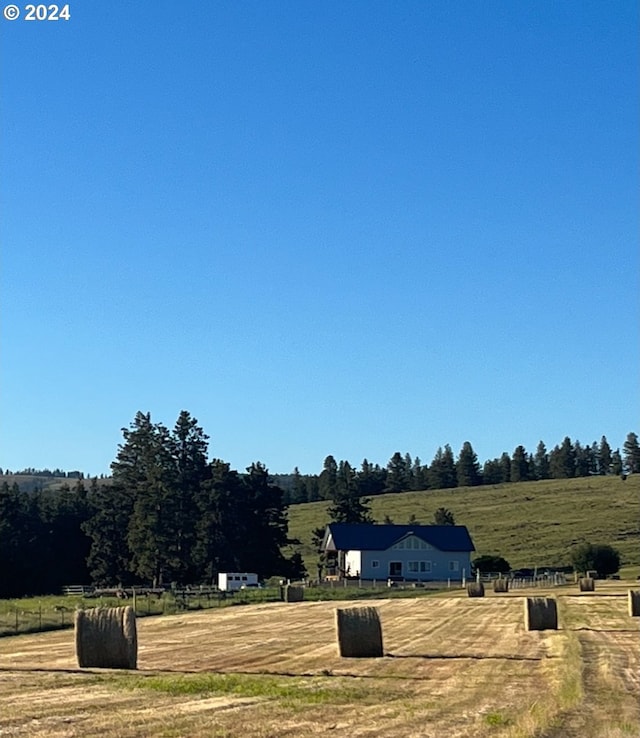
(453, 667)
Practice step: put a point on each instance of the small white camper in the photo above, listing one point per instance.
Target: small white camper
(232, 581)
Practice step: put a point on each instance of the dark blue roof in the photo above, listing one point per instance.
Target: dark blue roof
(365, 537)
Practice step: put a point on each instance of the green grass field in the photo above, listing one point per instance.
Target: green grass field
(529, 524)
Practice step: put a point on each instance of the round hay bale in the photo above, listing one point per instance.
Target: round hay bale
(500, 585)
(293, 593)
(634, 603)
(540, 613)
(475, 589)
(106, 637)
(587, 584)
(359, 632)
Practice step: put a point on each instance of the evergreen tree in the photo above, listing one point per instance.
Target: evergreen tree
(418, 476)
(541, 462)
(616, 463)
(371, 479)
(15, 541)
(442, 471)
(188, 446)
(604, 457)
(347, 505)
(110, 507)
(467, 467)
(443, 516)
(299, 492)
(397, 474)
(145, 467)
(328, 478)
(264, 523)
(583, 461)
(562, 460)
(631, 451)
(221, 529)
(519, 465)
(492, 472)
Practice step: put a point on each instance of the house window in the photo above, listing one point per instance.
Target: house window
(413, 566)
(375, 564)
(425, 567)
(454, 566)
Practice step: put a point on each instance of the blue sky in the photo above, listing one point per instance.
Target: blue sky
(322, 228)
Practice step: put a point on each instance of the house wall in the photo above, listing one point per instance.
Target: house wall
(438, 565)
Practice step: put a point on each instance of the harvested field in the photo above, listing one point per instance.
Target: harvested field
(453, 666)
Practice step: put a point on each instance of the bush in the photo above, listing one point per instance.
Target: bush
(491, 563)
(599, 557)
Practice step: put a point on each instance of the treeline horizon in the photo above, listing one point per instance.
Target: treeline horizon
(172, 513)
(403, 473)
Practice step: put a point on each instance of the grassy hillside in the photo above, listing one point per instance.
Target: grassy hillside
(530, 523)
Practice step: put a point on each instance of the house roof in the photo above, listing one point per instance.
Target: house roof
(366, 537)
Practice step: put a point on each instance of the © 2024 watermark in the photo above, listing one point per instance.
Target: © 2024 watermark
(36, 13)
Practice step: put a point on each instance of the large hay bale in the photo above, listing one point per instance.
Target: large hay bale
(540, 613)
(106, 637)
(475, 589)
(359, 632)
(634, 603)
(500, 585)
(587, 584)
(293, 593)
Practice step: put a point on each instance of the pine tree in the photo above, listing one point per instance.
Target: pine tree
(562, 460)
(397, 474)
(145, 467)
(264, 523)
(631, 451)
(327, 479)
(347, 505)
(442, 471)
(541, 462)
(604, 457)
(467, 467)
(519, 465)
(443, 516)
(110, 507)
(188, 446)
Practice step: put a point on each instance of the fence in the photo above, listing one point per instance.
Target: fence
(28, 617)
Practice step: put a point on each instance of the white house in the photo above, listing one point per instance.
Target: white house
(418, 553)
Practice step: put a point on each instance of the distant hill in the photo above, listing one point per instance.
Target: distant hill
(31, 482)
(528, 523)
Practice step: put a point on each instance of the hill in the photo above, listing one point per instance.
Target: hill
(528, 523)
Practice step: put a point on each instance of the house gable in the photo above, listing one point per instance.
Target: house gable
(411, 542)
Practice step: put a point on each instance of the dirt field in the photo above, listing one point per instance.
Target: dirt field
(453, 667)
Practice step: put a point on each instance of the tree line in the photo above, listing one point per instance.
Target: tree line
(402, 473)
(170, 514)
(167, 514)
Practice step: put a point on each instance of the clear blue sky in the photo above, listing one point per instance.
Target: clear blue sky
(321, 227)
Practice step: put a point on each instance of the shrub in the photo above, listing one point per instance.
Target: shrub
(596, 557)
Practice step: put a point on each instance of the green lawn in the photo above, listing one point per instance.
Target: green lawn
(530, 523)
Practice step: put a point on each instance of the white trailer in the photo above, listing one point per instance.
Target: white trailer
(233, 580)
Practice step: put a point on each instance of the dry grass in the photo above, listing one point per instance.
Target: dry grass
(453, 667)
